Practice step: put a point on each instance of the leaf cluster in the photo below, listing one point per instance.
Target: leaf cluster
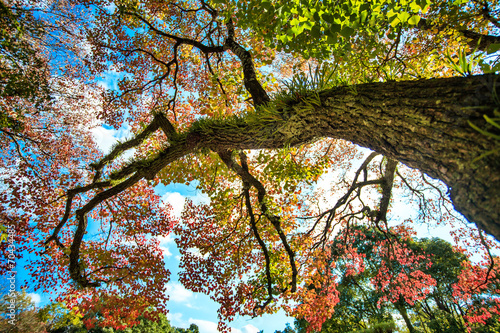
(24, 82)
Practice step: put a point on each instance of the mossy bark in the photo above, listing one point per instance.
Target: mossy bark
(423, 124)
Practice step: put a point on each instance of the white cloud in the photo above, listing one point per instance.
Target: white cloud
(166, 251)
(178, 293)
(250, 329)
(35, 298)
(104, 138)
(165, 242)
(176, 320)
(206, 326)
(176, 200)
(168, 239)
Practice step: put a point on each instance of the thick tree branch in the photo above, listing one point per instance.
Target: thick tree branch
(159, 121)
(420, 123)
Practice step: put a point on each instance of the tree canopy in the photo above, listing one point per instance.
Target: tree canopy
(365, 305)
(257, 103)
(57, 318)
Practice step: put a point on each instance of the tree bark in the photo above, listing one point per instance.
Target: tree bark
(423, 124)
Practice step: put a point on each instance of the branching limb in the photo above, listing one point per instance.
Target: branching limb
(159, 121)
(69, 202)
(332, 212)
(248, 181)
(275, 220)
(252, 84)
(76, 269)
(490, 257)
(262, 244)
(181, 40)
(207, 59)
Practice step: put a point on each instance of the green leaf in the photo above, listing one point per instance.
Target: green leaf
(423, 3)
(327, 17)
(266, 5)
(316, 17)
(316, 31)
(403, 17)
(484, 132)
(347, 32)
(415, 8)
(395, 21)
(297, 30)
(492, 48)
(335, 28)
(414, 20)
(364, 7)
(331, 39)
(362, 16)
(283, 38)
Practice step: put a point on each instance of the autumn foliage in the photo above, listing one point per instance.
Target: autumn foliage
(211, 99)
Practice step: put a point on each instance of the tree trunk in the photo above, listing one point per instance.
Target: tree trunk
(402, 311)
(423, 124)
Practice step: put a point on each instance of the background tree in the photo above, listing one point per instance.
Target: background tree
(58, 318)
(159, 325)
(361, 301)
(26, 319)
